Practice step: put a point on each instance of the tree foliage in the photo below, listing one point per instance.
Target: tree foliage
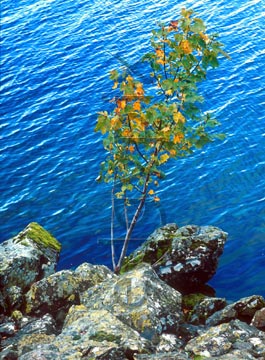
(150, 126)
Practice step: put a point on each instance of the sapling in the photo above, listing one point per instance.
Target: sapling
(150, 126)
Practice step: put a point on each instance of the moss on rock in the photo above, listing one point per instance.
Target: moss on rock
(39, 235)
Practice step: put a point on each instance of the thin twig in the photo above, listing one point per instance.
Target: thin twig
(112, 227)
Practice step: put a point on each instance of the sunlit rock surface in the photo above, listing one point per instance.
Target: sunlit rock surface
(90, 313)
(185, 258)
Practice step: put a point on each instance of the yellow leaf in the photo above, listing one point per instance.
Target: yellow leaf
(205, 37)
(178, 117)
(178, 138)
(156, 198)
(126, 133)
(169, 92)
(115, 85)
(164, 158)
(160, 53)
(166, 129)
(140, 124)
(129, 78)
(161, 61)
(172, 152)
(137, 106)
(186, 47)
(122, 104)
(115, 123)
(151, 192)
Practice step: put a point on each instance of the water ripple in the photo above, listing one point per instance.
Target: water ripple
(55, 59)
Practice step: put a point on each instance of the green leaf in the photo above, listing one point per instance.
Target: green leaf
(198, 26)
(114, 75)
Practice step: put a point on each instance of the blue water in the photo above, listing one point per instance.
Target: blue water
(55, 60)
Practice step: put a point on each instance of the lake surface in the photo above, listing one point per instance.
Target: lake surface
(55, 61)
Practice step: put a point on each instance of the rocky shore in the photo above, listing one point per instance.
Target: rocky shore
(160, 306)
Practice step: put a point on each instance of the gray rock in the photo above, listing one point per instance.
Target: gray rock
(177, 355)
(24, 259)
(169, 343)
(59, 290)
(226, 338)
(140, 299)
(89, 275)
(185, 258)
(39, 348)
(27, 328)
(236, 355)
(259, 319)
(205, 308)
(96, 332)
(243, 309)
(62, 289)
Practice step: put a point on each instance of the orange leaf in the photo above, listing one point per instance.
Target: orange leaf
(156, 198)
(137, 106)
(186, 47)
(151, 192)
(121, 103)
(139, 91)
(160, 61)
(178, 138)
(116, 123)
(126, 133)
(160, 53)
(131, 148)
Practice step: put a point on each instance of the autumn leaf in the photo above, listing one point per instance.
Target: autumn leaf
(161, 61)
(173, 24)
(160, 53)
(137, 106)
(121, 104)
(129, 78)
(116, 83)
(205, 37)
(164, 158)
(178, 138)
(186, 47)
(156, 198)
(151, 192)
(169, 92)
(131, 148)
(166, 129)
(115, 123)
(178, 117)
(172, 152)
(126, 133)
(139, 91)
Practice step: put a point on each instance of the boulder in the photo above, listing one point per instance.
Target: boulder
(259, 319)
(243, 309)
(140, 299)
(205, 308)
(185, 258)
(24, 259)
(98, 332)
(61, 290)
(235, 338)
